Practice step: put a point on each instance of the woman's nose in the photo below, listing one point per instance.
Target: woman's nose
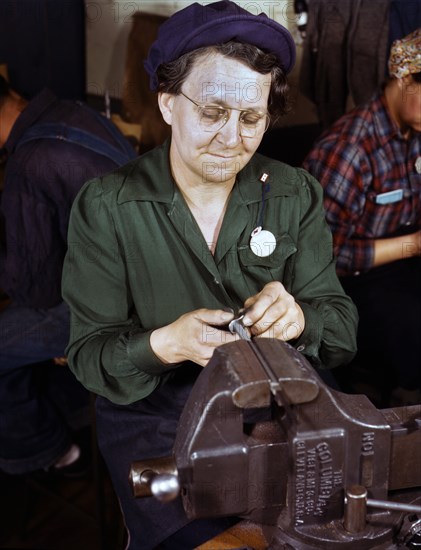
(230, 132)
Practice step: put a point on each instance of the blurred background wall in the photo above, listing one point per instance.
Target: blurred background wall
(108, 24)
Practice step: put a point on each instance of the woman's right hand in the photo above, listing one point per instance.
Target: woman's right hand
(192, 337)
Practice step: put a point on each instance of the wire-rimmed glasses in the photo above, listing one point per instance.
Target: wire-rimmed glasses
(214, 117)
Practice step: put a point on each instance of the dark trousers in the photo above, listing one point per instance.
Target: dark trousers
(39, 404)
(143, 430)
(388, 299)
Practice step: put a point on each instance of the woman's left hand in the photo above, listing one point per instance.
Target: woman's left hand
(273, 313)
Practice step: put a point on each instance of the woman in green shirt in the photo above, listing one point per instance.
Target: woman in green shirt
(162, 251)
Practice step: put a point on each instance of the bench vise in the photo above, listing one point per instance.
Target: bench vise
(262, 437)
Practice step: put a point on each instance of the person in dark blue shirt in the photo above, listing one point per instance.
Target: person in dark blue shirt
(51, 148)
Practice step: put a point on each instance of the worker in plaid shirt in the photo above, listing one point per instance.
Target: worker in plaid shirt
(369, 163)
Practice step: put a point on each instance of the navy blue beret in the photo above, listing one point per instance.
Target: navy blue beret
(197, 26)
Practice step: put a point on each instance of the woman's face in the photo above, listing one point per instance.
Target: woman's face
(407, 108)
(198, 155)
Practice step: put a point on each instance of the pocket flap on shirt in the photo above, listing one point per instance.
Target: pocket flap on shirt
(285, 247)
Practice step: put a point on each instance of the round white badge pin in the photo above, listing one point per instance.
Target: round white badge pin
(262, 242)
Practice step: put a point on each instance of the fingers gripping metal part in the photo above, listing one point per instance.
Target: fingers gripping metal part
(236, 326)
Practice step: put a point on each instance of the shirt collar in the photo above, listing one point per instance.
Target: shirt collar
(386, 128)
(32, 112)
(149, 179)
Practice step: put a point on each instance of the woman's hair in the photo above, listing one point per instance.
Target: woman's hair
(171, 76)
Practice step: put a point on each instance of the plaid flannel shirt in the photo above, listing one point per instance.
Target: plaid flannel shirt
(359, 159)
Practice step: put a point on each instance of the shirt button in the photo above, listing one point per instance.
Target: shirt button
(408, 223)
(301, 348)
(356, 273)
(216, 281)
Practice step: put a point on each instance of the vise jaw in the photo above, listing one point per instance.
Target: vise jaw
(281, 448)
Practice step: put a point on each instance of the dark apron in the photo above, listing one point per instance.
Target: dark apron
(143, 430)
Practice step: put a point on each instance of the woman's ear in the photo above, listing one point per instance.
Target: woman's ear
(165, 102)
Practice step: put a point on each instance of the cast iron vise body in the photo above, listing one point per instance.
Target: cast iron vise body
(264, 438)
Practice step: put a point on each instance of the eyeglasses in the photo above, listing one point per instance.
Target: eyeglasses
(212, 118)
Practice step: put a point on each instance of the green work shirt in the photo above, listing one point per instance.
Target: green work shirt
(137, 260)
